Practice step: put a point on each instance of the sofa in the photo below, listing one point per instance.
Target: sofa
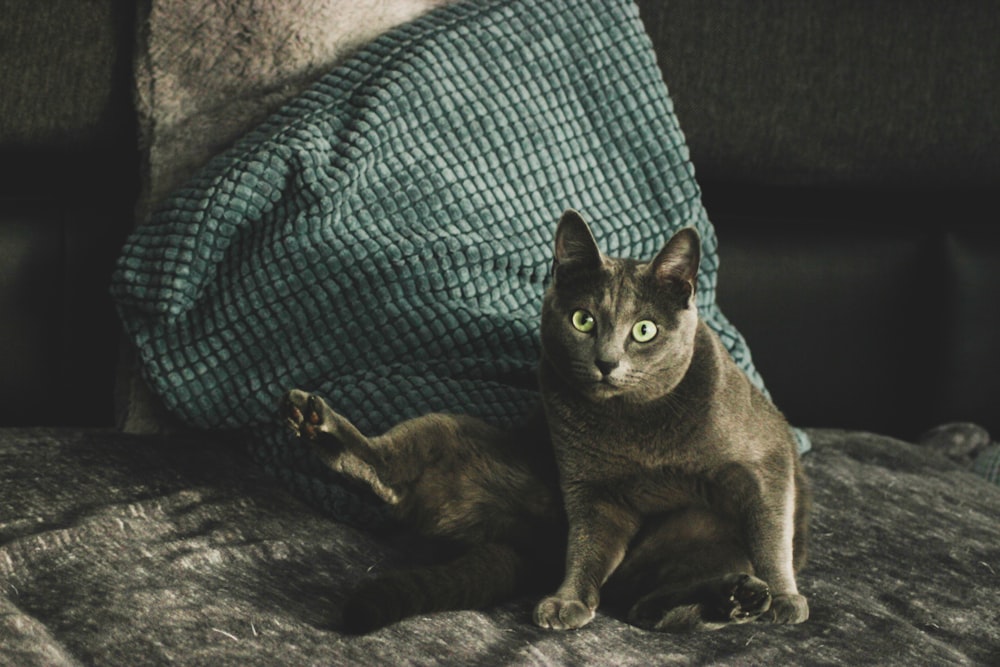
(846, 155)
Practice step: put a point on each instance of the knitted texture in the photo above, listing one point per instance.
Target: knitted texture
(385, 239)
(987, 463)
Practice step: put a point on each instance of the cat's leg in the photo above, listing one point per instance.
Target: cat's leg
(771, 527)
(598, 536)
(444, 474)
(337, 442)
(707, 605)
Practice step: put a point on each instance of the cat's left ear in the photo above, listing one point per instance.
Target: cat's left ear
(678, 261)
(575, 244)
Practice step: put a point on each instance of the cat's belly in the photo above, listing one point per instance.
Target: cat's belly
(656, 492)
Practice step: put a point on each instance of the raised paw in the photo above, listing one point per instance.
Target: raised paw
(749, 597)
(557, 613)
(303, 413)
(788, 608)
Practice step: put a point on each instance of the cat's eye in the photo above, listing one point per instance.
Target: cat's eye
(583, 321)
(644, 331)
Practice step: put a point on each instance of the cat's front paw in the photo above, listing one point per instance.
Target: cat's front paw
(557, 613)
(788, 608)
(303, 413)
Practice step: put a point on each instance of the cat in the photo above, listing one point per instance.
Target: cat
(680, 480)
(655, 475)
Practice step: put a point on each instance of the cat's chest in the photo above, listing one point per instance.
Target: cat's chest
(650, 467)
(590, 441)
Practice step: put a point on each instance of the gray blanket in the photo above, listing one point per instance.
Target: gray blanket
(127, 550)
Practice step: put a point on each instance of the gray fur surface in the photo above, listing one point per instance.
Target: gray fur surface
(207, 72)
(123, 550)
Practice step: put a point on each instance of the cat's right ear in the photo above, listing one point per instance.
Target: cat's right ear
(678, 261)
(575, 244)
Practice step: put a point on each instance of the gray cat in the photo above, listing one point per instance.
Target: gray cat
(660, 477)
(680, 480)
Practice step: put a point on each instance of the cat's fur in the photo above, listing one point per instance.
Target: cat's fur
(675, 480)
(488, 497)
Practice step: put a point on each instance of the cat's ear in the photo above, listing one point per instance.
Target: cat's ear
(575, 244)
(678, 261)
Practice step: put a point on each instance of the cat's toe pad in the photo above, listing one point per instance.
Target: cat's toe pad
(562, 614)
(302, 413)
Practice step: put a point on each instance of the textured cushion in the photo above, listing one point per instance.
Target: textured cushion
(208, 71)
(385, 238)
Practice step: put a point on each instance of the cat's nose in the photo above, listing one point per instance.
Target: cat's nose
(605, 366)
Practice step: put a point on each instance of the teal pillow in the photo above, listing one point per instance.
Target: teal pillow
(385, 238)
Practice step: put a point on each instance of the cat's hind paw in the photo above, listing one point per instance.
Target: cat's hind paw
(303, 413)
(733, 598)
(749, 597)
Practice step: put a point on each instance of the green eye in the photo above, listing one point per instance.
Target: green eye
(644, 331)
(583, 321)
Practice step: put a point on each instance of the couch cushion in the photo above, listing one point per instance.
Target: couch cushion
(208, 72)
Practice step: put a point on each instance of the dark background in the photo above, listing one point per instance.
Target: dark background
(848, 151)
(849, 157)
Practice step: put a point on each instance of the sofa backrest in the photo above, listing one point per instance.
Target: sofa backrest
(67, 188)
(835, 93)
(849, 152)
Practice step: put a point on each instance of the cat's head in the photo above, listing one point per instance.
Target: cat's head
(618, 327)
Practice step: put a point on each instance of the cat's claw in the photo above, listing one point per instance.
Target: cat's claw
(556, 613)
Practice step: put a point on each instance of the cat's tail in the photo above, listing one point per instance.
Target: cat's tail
(485, 574)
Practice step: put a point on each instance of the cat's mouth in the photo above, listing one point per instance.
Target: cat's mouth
(606, 386)
(595, 384)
